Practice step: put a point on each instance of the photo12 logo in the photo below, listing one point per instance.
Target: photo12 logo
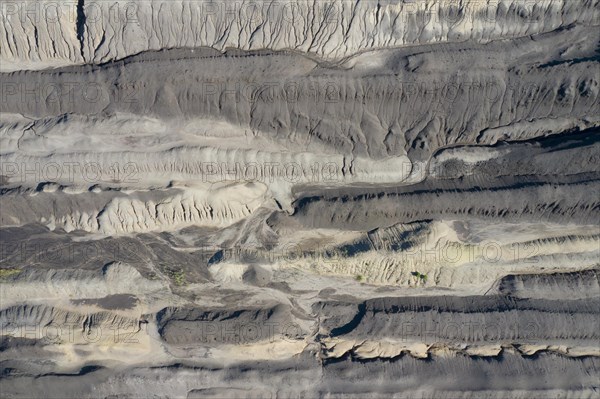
(14, 93)
(100, 13)
(73, 333)
(68, 172)
(71, 12)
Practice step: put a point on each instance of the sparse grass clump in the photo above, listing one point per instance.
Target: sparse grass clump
(359, 277)
(6, 273)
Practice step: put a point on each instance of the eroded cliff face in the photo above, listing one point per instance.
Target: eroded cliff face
(118, 344)
(400, 101)
(46, 33)
(308, 199)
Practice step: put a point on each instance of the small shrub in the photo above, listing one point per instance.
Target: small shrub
(178, 277)
(420, 276)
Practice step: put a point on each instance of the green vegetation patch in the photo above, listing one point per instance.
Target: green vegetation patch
(6, 273)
